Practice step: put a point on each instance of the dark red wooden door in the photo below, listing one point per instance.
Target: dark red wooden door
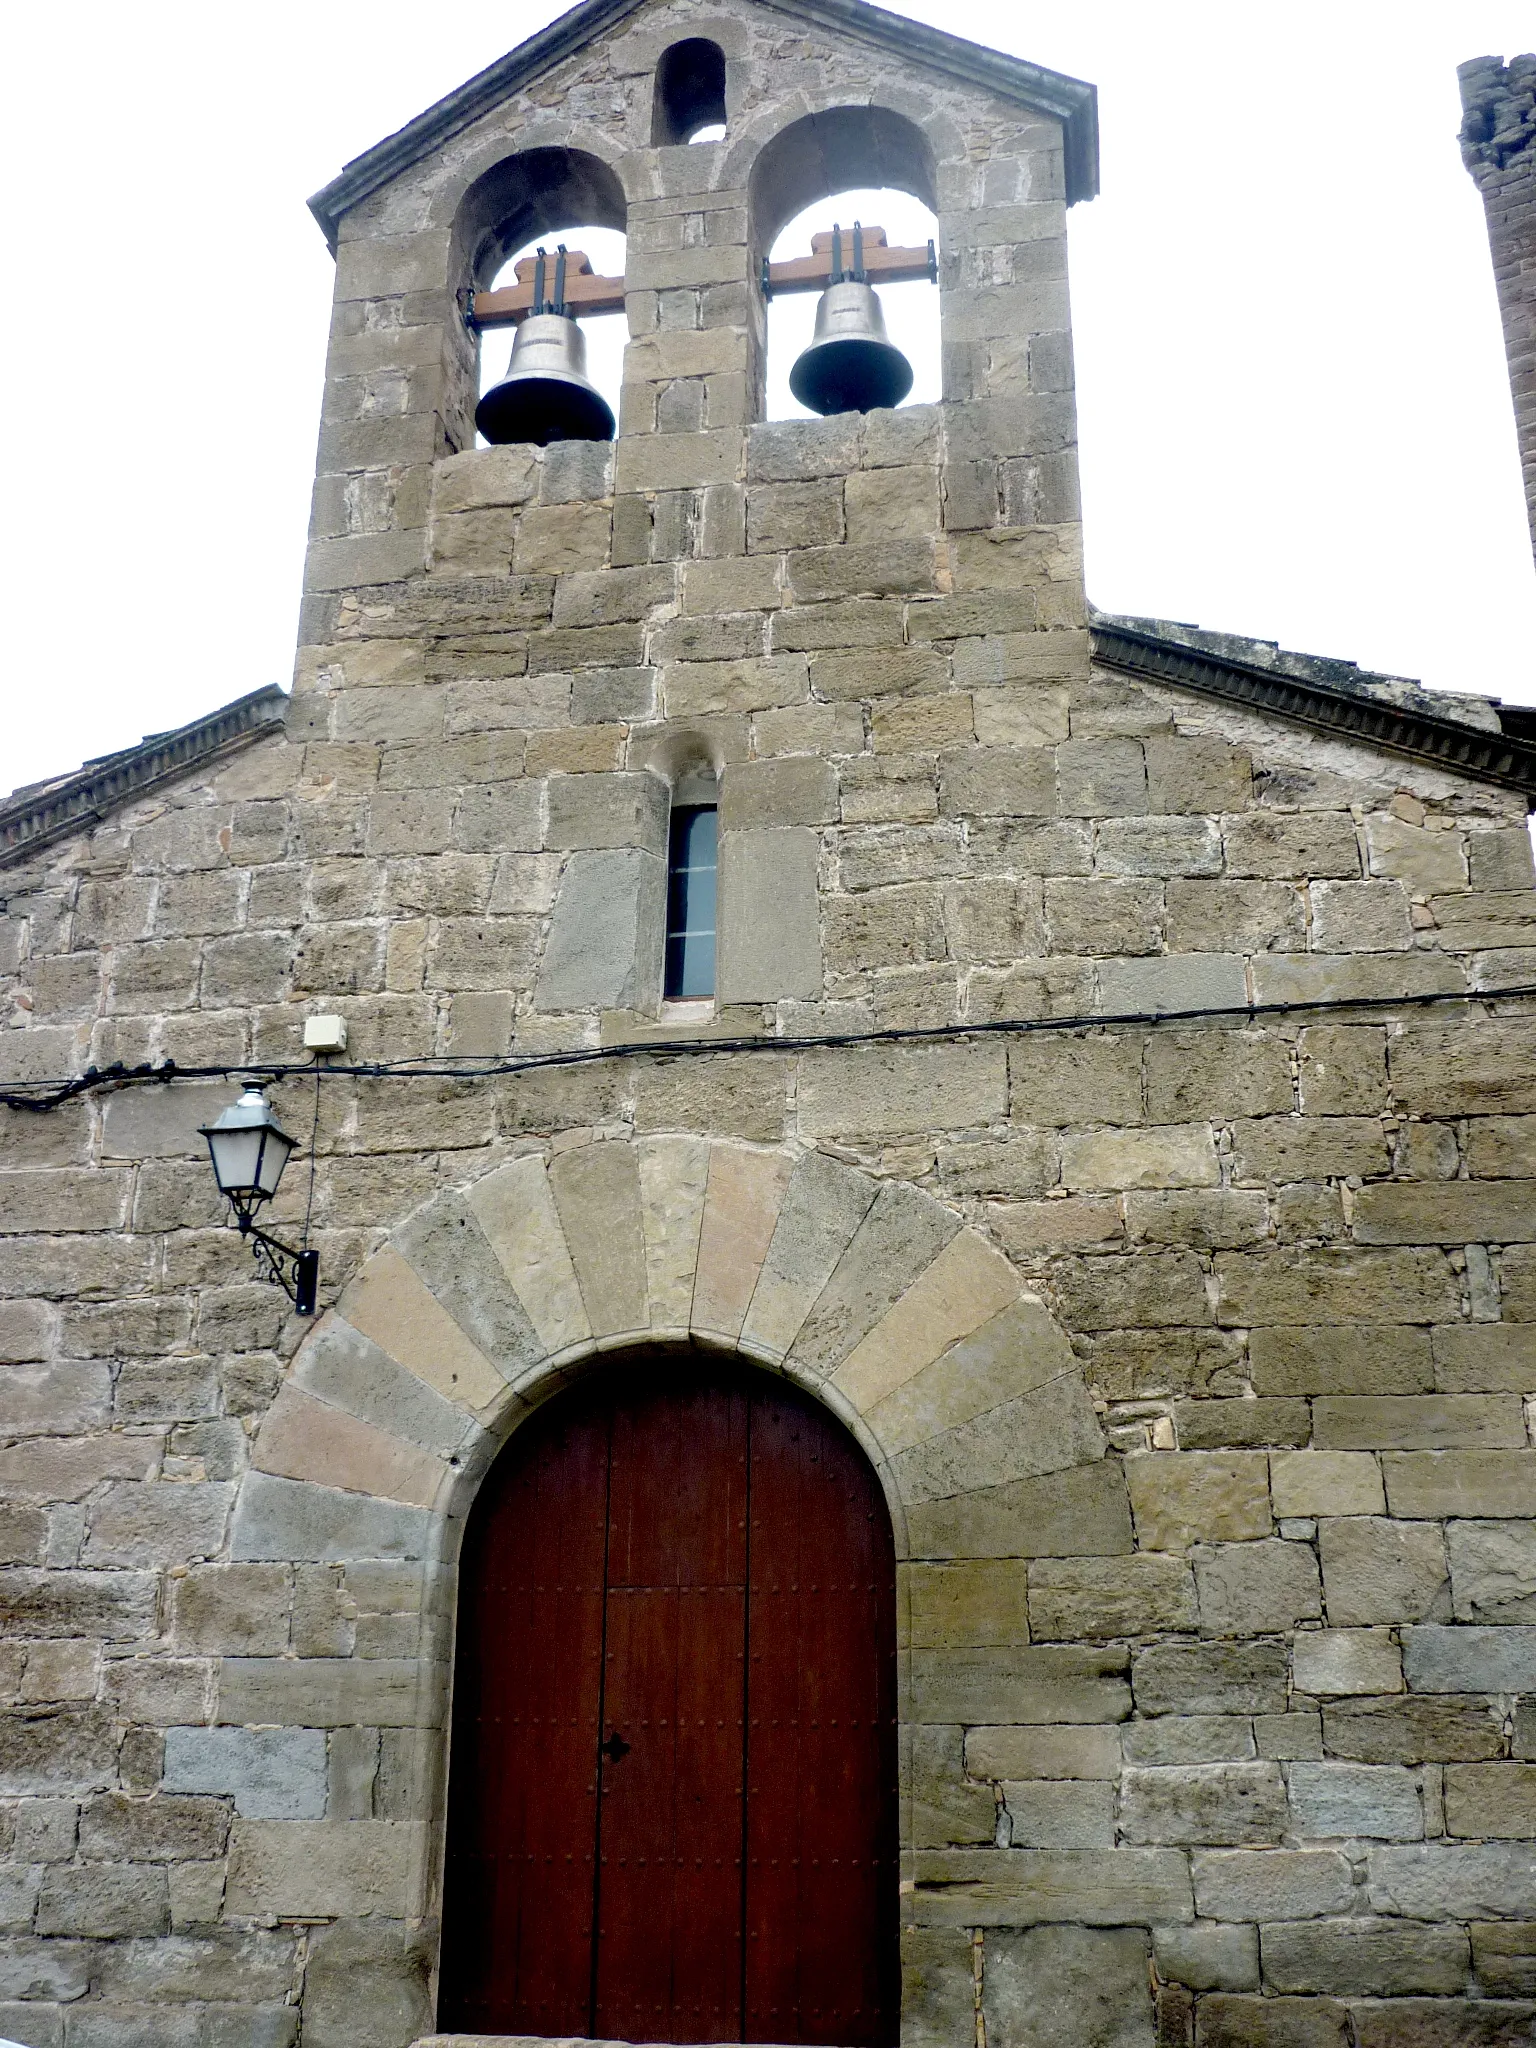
(672, 1810)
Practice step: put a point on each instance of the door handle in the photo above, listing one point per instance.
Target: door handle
(614, 1748)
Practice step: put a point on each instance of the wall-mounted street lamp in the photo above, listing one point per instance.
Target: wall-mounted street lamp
(249, 1149)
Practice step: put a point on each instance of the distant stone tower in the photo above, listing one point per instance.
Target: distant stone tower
(1498, 146)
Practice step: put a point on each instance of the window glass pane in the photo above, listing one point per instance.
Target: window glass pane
(690, 969)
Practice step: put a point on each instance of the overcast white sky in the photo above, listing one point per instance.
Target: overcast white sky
(1294, 408)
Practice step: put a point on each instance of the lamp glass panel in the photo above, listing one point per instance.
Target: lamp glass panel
(274, 1157)
(237, 1158)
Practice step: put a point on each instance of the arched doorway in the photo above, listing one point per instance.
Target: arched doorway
(672, 1802)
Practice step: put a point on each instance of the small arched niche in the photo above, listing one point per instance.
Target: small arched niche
(537, 195)
(845, 164)
(689, 103)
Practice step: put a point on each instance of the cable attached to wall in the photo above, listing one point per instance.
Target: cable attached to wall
(51, 1094)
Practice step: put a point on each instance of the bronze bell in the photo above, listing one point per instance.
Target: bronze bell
(851, 364)
(546, 394)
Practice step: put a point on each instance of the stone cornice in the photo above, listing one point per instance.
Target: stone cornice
(35, 818)
(1484, 753)
(1071, 101)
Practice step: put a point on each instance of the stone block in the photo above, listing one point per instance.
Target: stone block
(1289, 1738)
(1053, 1984)
(1042, 1815)
(1177, 982)
(1377, 1570)
(973, 1604)
(1240, 1424)
(1224, 1803)
(1247, 1588)
(1098, 1598)
(1189, 1739)
(1430, 1484)
(320, 1692)
(158, 1525)
(797, 790)
(1493, 1570)
(1077, 1512)
(116, 1829)
(305, 1439)
(1040, 1432)
(1180, 1497)
(1208, 1957)
(1271, 1884)
(1056, 1754)
(1451, 1881)
(1230, 2020)
(965, 1287)
(449, 1252)
(770, 947)
(1055, 1683)
(320, 1868)
(1470, 1659)
(938, 1989)
(1088, 1079)
(1414, 1730)
(1429, 1422)
(1491, 1800)
(1168, 1156)
(1504, 1958)
(1333, 1359)
(271, 1773)
(1160, 1291)
(389, 1303)
(889, 928)
(705, 686)
(1211, 1678)
(1305, 1286)
(366, 1983)
(1025, 1887)
(1485, 1358)
(342, 1367)
(1220, 1073)
(1347, 1958)
(1200, 919)
(894, 1090)
(1335, 1661)
(65, 1397)
(285, 1519)
(605, 940)
(1446, 1212)
(1356, 1800)
(587, 811)
(107, 1900)
(597, 1193)
(1445, 1069)
(1297, 1148)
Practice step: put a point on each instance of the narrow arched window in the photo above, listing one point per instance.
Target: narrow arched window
(691, 868)
(690, 92)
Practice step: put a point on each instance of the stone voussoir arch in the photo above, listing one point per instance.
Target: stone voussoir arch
(869, 1293)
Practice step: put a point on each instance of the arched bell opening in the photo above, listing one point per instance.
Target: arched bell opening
(538, 196)
(672, 1807)
(689, 102)
(596, 353)
(828, 171)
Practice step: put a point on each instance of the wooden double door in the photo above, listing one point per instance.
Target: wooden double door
(672, 1800)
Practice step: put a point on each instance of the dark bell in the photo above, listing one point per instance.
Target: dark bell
(850, 365)
(546, 394)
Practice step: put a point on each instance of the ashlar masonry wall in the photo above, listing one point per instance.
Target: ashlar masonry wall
(1196, 1359)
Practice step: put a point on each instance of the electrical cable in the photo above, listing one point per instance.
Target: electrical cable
(51, 1094)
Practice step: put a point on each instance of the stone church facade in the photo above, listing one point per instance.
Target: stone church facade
(1117, 1109)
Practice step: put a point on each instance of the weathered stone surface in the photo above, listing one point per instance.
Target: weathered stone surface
(1189, 1739)
(1052, 1984)
(1229, 2020)
(1081, 1512)
(1042, 1431)
(1311, 1483)
(1335, 1661)
(1023, 1887)
(1493, 1570)
(1470, 1659)
(1181, 1497)
(1008, 1355)
(109, 1900)
(1271, 1884)
(1491, 1800)
(1376, 1570)
(1429, 1484)
(445, 1244)
(741, 1210)
(1414, 1730)
(1439, 1881)
(1208, 1957)
(1098, 1598)
(319, 1868)
(281, 1519)
(1053, 1683)
(889, 1091)
(305, 1439)
(271, 1773)
(1041, 1815)
(1248, 1588)
(938, 1987)
(366, 1982)
(604, 945)
(770, 939)
(900, 1235)
(322, 1692)
(1056, 1754)
(1341, 1360)
(823, 1206)
(597, 1193)
(1430, 1422)
(1211, 1678)
(1219, 1803)
(980, 1603)
(1356, 1800)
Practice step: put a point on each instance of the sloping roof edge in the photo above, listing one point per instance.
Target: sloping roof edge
(35, 818)
(1072, 101)
(1487, 754)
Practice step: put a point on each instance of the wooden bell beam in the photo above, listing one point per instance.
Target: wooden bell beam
(586, 293)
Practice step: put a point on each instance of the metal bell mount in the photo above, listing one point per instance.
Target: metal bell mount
(851, 364)
(546, 394)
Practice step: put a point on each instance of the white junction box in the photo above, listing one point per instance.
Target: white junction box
(325, 1034)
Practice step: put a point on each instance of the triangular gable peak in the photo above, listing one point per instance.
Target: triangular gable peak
(1070, 101)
